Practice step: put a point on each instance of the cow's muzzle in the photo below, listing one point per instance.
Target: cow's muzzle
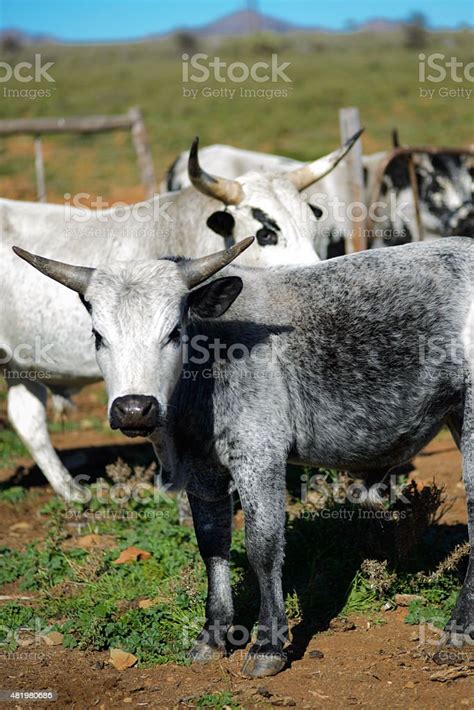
(135, 414)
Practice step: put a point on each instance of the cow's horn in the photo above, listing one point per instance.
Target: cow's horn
(195, 271)
(74, 277)
(308, 174)
(229, 192)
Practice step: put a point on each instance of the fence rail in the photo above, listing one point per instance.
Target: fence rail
(132, 121)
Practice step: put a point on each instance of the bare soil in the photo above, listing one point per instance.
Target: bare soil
(378, 663)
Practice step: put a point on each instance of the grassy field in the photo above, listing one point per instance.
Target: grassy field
(153, 607)
(376, 73)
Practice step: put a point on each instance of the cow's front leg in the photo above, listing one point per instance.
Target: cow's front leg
(262, 493)
(213, 527)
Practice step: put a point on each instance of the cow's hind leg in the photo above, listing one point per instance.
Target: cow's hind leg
(213, 527)
(461, 625)
(27, 414)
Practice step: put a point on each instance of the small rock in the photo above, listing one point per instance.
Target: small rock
(128, 700)
(27, 641)
(23, 525)
(340, 623)
(264, 692)
(448, 657)
(409, 685)
(407, 599)
(146, 603)
(93, 540)
(121, 659)
(316, 654)
(54, 638)
(284, 702)
(132, 554)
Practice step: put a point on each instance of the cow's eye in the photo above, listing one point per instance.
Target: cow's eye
(266, 236)
(175, 335)
(99, 341)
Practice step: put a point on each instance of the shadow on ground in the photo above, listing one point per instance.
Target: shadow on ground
(89, 461)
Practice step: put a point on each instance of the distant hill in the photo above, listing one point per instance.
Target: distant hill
(379, 24)
(14, 36)
(235, 24)
(245, 21)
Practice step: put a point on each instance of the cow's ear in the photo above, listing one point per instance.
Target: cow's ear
(213, 299)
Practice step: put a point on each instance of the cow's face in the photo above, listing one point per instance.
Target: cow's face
(271, 206)
(139, 312)
(283, 222)
(445, 188)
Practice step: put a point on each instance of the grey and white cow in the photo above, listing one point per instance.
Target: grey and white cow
(336, 365)
(45, 340)
(445, 186)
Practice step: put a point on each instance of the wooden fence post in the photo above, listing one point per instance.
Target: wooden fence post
(132, 121)
(142, 149)
(349, 123)
(39, 168)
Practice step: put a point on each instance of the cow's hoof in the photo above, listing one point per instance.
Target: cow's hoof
(202, 652)
(260, 665)
(72, 492)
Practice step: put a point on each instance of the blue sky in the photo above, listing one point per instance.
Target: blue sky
(129, 19)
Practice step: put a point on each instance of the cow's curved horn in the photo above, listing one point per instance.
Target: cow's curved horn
(229, 192)
(74, 277)
(308, 174)
(195, 271)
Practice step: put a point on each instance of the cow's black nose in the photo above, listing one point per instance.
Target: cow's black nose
(135, 414)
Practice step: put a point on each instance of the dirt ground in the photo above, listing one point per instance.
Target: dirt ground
(360, 662)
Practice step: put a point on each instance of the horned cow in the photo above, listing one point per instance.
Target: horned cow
(45, 340)
(328, 371)
(444, 183)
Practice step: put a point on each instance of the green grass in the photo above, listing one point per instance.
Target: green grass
(95, 603)
(93, 612)
(374, 72)
(11, 448)
(217, 701)
(12, 494)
